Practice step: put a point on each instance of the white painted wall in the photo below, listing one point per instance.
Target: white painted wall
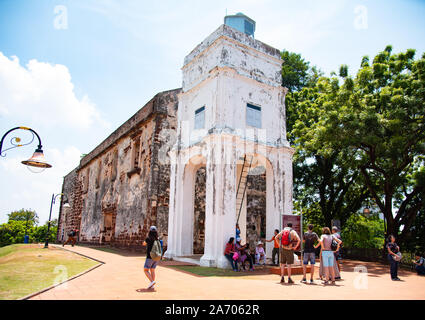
(224, 73)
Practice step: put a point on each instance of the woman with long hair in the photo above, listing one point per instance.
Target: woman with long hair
(150, 264)
(394, 257)
(229, 251)
(328, 254)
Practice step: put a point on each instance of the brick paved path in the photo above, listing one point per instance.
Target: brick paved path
(122, 277)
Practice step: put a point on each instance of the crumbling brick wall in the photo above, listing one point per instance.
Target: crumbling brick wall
(121, 187)
(256, 209)
(199, 211)
(69, 218)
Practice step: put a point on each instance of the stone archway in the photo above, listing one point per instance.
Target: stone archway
(257, 219)
(188, 213)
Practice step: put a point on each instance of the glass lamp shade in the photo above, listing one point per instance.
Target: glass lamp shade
(66, 204)
(37, 160)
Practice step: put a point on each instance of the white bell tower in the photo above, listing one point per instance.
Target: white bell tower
(231, 119)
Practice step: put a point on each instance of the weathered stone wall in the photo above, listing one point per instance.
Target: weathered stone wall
(256, 209)
(163, 139)
(69, 218)
(199, 211)
(122, 187)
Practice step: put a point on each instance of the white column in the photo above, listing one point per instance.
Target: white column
(272, 211)
(172, 211)
(209, 259)
(187, 213)
(220, 200)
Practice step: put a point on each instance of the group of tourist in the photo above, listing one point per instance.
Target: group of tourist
(329, 243)
(240, 255)
(285, 244)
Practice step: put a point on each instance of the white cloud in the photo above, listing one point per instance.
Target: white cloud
(25, 189)
(43, 93)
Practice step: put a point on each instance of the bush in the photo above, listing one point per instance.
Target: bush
(14, 232)
(363, 232)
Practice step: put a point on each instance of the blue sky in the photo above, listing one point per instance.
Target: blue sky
(75, 85)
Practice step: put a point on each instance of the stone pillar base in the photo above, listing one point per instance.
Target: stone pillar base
(223, 263)
(169, 254)
(207, 261)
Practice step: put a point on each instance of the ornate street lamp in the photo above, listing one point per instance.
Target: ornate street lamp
(65, 205)
(37, 160)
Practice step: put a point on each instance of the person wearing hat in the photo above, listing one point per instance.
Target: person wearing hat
(260, 254)
(150, 264)
(337, 254)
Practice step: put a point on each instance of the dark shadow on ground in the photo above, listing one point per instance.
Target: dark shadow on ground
(146, 290)
(374, 269)
(198, 271)
(114, 250)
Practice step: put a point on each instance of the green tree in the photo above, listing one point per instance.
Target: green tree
(363, 232)
(379, 117)
(14, 232)
(328, 183)
(296, 72)
(40, 232)
(24, 215)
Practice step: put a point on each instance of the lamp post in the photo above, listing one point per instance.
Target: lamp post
(65, 204)
(26, 237)
(37, 159)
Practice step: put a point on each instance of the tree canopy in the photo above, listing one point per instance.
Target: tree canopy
(370, 130)
(24, 215)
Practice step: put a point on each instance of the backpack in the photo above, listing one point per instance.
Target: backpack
(156, 251)
(286, 237)
(71, 233)
(334, 245)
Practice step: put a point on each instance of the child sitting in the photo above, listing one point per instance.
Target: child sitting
(243, 254)
(260, 254)
(420, 264)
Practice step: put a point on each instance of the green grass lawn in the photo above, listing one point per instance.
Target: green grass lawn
(28, 268)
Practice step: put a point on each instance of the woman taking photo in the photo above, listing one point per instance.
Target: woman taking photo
(394, 257)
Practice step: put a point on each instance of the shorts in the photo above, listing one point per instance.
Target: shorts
(150, 264)
(309, 256)
(286, 256)
(328, 258)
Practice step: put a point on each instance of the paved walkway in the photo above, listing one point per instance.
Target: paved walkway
(122, 277)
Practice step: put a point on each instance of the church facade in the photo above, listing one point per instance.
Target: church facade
(194, 161)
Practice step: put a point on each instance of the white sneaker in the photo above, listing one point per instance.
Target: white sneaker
(151, 284)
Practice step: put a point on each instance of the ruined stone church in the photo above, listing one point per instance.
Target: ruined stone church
(193, 161)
